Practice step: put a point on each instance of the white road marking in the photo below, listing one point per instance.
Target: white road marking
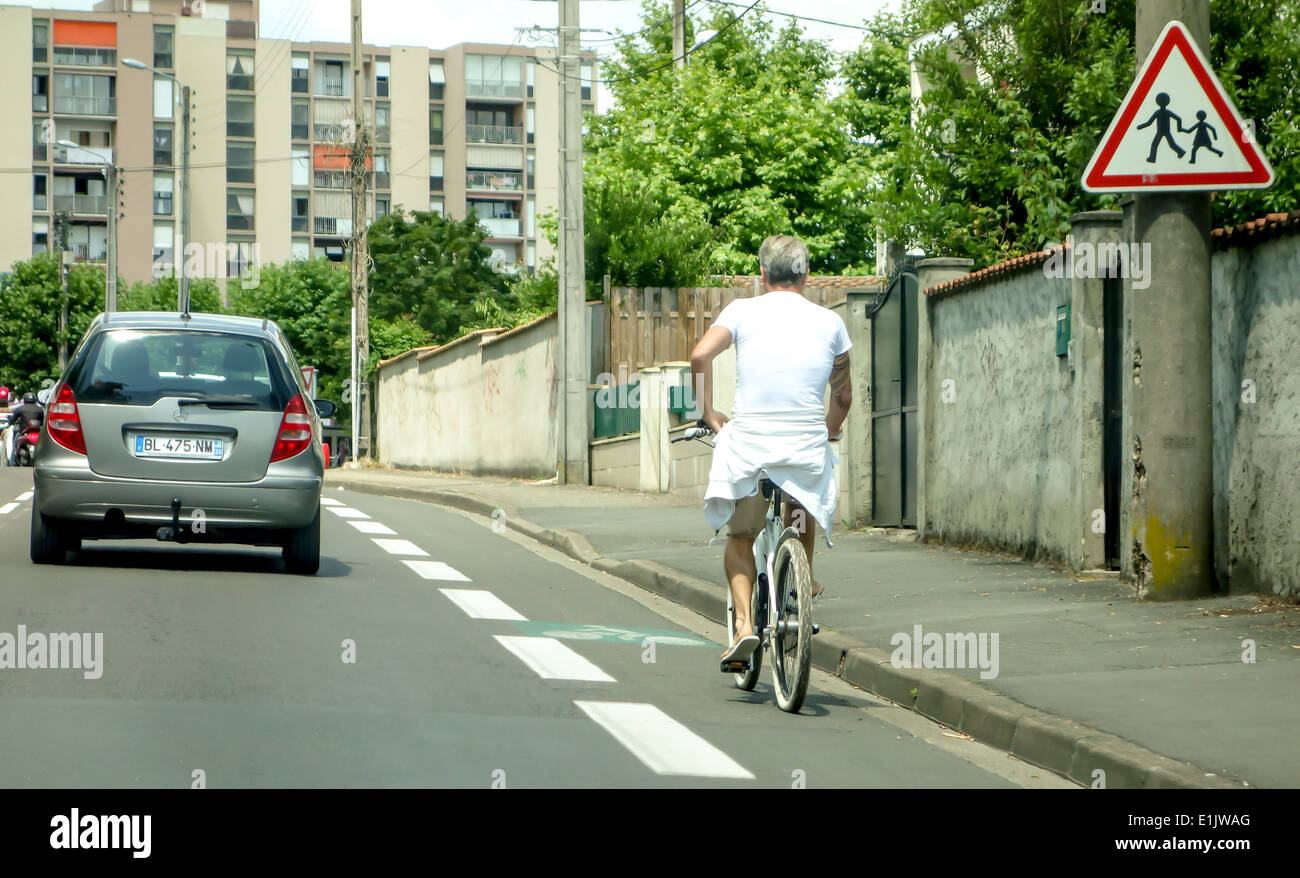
(7, 508)
(372, 527)
(480, 604)
(26, 495)
(330, 501)
(661, 742)
(347, 512)
(400, 547)
(552, 660)
(437, 570)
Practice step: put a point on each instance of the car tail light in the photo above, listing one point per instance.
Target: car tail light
(295, 431)
(65, 422)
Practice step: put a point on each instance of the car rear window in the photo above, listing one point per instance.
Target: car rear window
(139, 367)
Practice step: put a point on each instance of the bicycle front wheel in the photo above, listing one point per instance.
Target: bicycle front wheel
(791, 623)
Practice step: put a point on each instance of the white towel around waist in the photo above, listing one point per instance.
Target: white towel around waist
(791, 448)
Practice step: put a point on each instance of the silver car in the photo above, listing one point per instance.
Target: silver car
(194, 428)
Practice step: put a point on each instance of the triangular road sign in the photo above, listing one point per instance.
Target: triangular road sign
(1176, 130)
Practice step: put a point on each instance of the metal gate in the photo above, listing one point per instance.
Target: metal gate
(893, 403)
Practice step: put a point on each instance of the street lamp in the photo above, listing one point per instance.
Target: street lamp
(110, 178)
(183, 281)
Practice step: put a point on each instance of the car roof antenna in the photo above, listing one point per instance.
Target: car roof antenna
(185, 304)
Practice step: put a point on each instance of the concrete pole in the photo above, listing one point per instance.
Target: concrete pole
(183, 284)
(572, 353)
(360, 240)
(679, 33)
(1172, 492)
(110, 277)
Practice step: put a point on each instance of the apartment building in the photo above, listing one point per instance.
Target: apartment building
(472, 127)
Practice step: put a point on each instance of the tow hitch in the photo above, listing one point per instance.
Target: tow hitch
(173, 532)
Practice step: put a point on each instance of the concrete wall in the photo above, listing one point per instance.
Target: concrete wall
(16, 148)
(998, 447)
(484, 404)
(1256, 308)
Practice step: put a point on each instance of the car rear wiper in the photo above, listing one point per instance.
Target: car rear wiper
(223, 401)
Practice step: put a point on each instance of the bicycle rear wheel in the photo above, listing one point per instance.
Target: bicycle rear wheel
(748, 679)
(791, 623)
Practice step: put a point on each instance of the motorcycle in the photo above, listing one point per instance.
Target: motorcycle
(25, 444)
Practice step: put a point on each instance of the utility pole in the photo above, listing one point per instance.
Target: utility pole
(571, 444)
(360, 237)
(1172, 502)
(183, 285)
(110, 275)
(679, 33)
(61, 243)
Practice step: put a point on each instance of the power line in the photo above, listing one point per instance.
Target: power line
(797, 16)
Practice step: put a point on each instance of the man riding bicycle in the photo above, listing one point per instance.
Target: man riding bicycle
(787, 350)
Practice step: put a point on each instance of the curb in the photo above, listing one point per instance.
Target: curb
(1067, 748)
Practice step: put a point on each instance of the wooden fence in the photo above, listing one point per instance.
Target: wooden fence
(653, 325)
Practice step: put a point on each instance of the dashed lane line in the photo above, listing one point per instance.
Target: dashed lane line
(661, 742)
(552, 660)
(480, 604)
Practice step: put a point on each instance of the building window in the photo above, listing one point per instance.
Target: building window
(300, 73)
(42, 133)
(532, 169)
(383, 207)
(239, 209)
(239, 117)
(436, 204)
(162, 98)
(300, 166)
(300, 122)
(531, 116)
(40, 200)
(78, 56)
(437, 79)
(494, 76)
(239, 163)
(435, 127)
(162, 145)
(381, 78)
(240, 256)
(40, 236)
(239, 71)
(531, 69)
(40, 40)
(164, 241)
(330, 79)
(162, 46)
(162, 194)
(300, 250)
(585, 77)
(530, 218)
(300, 211)
(435, 172)
(383, 122)
(40, 91)
(381, 176)
(80, 94)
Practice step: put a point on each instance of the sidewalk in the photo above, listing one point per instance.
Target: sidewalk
(1153, 694)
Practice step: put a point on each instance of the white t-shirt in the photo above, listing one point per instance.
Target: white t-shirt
(785, 347)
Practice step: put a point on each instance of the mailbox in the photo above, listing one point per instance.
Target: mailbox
(1063, 330)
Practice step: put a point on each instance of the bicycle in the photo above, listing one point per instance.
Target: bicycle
(784, 582)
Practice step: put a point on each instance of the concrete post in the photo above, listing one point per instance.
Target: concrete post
(1098, 232)
(855, 447)
(929, 273)
(654, 432)
(1172, 492)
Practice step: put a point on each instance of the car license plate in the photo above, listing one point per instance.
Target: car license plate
(190, 448)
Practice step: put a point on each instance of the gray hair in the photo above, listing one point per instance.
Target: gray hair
(785, 259)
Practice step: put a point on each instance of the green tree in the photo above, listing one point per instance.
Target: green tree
(1019, 93)
(745, 141)
(430, 269)
(160, 295)
(30, 303)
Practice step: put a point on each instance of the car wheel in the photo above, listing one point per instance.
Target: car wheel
(302, 549)
(48, 545)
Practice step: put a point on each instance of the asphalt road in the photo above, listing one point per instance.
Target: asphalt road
(454, 657)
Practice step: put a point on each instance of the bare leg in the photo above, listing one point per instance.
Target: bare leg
(738, 562)
(797, 517)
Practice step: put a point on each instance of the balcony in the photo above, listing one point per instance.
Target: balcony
(79, 106)
(331, 180)
(89, 253)
(494, 134)
(94, 205)
(85, 57)
(331, 88)
(492, 88)
(495, 181)
(334, 225)
(64, 155)
(498, 227)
